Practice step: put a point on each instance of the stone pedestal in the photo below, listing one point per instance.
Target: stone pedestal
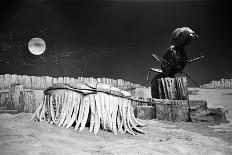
(181, 111)
(145, 112)
(173, 110)
(163, 111)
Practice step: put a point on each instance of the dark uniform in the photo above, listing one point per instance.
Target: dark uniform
(175, 55)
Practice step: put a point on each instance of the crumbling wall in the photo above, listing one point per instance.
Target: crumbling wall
(223, 84)
(43, 82)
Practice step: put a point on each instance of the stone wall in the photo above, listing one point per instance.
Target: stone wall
(43, 82)
(223, 83)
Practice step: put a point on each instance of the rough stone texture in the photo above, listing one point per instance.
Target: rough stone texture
(189, 110)
(27, 102)
(14, 96)
(145, 112)
(210, 115)
(163, 111)
(4, 99)
(180, 110)
(199, 112)
(174, 110)
(197, 106)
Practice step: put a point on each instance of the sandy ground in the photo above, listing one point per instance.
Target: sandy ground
(20, 135)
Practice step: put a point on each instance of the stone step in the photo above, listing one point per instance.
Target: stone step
(181, 111)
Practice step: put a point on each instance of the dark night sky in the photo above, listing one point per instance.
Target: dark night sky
(113, 39)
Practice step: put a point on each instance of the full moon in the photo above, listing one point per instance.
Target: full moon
(36, 46)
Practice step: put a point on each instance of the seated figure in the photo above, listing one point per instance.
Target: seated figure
(175, 57)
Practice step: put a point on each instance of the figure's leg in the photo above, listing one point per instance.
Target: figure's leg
(155, 85)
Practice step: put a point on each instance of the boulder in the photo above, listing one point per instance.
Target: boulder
(197, 106)
(210, 115)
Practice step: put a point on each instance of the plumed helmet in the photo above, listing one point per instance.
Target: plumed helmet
(183, 36)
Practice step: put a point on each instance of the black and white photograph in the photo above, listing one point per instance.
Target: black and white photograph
(138, 77)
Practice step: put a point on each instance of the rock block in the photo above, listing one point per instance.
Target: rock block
(4, 99)
(173, 110)
(27, 102)
(197, 106)
(210, 115)
(14, 91)
(163, 111)
(180, 110)
(145, 112)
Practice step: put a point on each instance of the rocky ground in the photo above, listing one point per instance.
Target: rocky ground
(20, 135)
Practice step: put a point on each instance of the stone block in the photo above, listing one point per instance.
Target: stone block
(4, 99)
(14, 91)
(145, 112)
(210, 115)
(173, 110)
(27, 102)
(197, 106)
(163, 111)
